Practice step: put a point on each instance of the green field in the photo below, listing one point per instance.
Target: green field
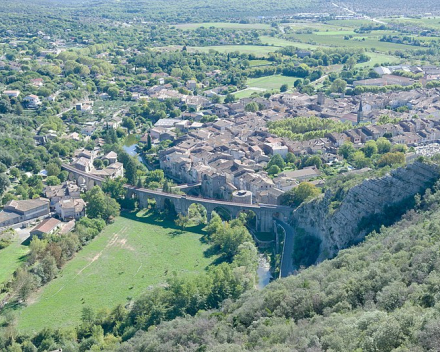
(129, 256)
(225, 25)
(243, 49)
(10, 259)
(279, 42)
(246, 93)
(378, 58)
(270, 82)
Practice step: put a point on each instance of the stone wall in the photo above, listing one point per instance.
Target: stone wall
(364, 207)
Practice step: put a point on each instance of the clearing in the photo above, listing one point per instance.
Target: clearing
(129, 256)
(11, 258)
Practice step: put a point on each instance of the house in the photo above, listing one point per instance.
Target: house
(191, 84)
(89, 128)
(66, 190)
(32, 101)
(12, 93)
(16, 211)
(302, 175)
(68, 209)
(166, 123)
(46, 227)
(112, 157)
(83, 164)
(37, 82)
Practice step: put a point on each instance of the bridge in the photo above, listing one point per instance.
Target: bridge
(265, 213)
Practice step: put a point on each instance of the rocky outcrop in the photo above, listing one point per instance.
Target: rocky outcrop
(364, 207)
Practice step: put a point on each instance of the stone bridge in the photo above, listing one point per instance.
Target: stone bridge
(265, 213)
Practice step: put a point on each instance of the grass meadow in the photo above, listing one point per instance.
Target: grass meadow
(134, 253)
(11, 258)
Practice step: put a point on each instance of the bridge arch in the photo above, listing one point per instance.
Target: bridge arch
(223, 212)
(251, 218)
(198, 213)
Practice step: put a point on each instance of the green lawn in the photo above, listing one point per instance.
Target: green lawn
(378, 58)
(127, 258)
(225, 25)
(270, 82)
(246, 93)
(10, 259)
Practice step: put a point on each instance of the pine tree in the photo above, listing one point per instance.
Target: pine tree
(149, 142)
(166, 187)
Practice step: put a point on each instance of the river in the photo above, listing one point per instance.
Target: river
(130, 145)
(263, 272)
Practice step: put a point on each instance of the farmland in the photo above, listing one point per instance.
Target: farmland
(132, 254)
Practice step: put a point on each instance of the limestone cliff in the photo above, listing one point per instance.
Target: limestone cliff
(363, 208)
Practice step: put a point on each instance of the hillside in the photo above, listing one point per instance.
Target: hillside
(344, 217)
(382, 295)
(182, 11)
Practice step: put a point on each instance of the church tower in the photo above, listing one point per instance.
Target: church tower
(360, 113)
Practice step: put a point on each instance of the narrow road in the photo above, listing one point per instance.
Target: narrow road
(286, 260)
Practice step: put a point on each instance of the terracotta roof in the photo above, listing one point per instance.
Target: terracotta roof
(46, 225)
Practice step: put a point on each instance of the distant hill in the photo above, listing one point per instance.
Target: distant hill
(209, 10)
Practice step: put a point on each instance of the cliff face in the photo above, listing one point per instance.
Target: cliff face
(364, 207)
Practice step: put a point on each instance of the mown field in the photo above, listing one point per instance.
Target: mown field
(132, 254)
(271, 82)
(10, 259)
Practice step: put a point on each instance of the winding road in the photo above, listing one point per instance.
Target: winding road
(287, 268)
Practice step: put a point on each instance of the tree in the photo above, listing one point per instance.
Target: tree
(276, 160)
(370, 149)
(4, 183)
(215, 99)
(346, 150)
(383, 145)
(182, 221)
(314, 161)
(284, 88)
(149, 144)
(101, 205)
(251, 107)
(53, 181)
(130, 171)
(298, 195)
(230, 98)
(166, 187)
(114, 187)
(155, 176)
(98, 164)
(338, 86)
(274, 170)
(390, 159)
(53, 169)
(128, 123)
(18, 109)
(360, 160)
(15, 173)
(113, 92)
(290, 158)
